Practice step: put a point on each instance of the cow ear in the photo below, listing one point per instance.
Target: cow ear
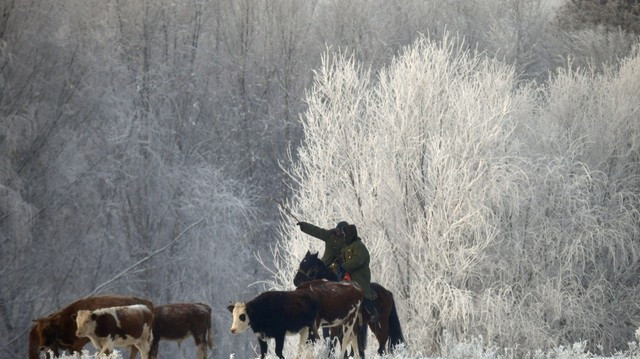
(74, 316)
(94, 316)
(230, 307)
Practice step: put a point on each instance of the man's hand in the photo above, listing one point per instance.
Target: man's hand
(337, 268)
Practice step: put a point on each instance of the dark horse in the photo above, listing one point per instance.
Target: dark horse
(387, 329)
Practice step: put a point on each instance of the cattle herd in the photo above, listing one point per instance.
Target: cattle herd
(110, 321)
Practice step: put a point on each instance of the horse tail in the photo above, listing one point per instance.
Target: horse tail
(395, 331)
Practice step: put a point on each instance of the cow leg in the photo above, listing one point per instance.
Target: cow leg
(304, 339)
(104, 351)
(54, 350)
(335, 338)
(144, 350)
(304, 333)
(209, 338)
(202, 350)
(349, 338)
(344, 343)
(201, 344)
(263, 348)
(153, 350)
(354, 345)
(133, 352)
(279, 345)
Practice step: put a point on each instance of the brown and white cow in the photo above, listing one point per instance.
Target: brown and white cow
(57, 332)
(179, 320)
(338, 308)
(117, 326)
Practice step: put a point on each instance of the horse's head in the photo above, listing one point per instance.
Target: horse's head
(312, 268)
(308, 269)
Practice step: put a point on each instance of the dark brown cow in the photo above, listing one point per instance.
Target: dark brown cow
(117, 326)
(57, 332)
(179, 320)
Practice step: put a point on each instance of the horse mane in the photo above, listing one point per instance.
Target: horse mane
(323, 270)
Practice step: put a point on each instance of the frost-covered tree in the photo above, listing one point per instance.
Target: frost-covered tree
(108, 180)
(125, 123)
(612, 14)
(473, 220)
(593, 33)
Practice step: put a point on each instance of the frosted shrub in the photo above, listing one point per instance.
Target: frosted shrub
(490, 208)
(475, 348)
(116, 354)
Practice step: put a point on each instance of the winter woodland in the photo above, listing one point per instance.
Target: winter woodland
(487, 150)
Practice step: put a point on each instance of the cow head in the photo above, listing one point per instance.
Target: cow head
(240, 317)
(85, 322)
(47, 331)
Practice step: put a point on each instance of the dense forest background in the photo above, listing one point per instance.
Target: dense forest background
(488, 150)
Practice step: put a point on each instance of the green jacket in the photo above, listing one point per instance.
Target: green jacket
(332, 242)
(356, 261)
(354, 253)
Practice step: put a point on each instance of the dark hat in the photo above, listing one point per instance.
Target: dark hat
(351, 232)
(341, 225)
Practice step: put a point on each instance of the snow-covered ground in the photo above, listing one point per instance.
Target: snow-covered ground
(475, 349)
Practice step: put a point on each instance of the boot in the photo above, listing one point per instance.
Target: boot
(370, 307)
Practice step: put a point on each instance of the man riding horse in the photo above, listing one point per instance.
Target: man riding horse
(344, 252)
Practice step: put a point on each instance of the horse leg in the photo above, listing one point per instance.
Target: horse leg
(379, 329)
(362, 339)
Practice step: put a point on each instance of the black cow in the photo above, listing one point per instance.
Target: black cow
(275, 314)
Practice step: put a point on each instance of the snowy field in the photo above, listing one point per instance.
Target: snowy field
(475, 349)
